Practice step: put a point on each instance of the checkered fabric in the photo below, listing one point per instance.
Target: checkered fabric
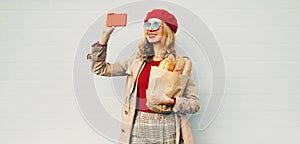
(153, 128)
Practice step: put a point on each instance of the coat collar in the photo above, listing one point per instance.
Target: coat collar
(135, 68)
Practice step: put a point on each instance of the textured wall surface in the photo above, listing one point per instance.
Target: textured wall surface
(260, 41)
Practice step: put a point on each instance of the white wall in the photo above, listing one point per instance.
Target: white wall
(260, 41)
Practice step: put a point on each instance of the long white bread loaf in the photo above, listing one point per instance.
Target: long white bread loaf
(187, 68)
(180, 63)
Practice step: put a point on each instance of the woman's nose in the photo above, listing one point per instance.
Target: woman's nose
(150, 28)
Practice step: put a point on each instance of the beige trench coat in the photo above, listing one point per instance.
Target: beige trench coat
(188, 103)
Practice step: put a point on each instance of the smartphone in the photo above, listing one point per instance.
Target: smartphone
(117, 20)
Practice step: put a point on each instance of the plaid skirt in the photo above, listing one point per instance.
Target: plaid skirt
(153, 128)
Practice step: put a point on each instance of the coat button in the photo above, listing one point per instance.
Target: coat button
(126, 112)
(122, 130)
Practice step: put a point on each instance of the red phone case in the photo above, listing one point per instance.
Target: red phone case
(116, 20)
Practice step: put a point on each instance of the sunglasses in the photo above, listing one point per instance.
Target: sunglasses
(155, 25)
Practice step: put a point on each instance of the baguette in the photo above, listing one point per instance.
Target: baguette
(172, 59)
(187, 68)
(168, 63)
(180, 63)
(162, 64)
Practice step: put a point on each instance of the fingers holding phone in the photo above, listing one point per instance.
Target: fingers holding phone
(107, 31)
(112, 20)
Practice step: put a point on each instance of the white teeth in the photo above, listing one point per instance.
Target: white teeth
(152, 34)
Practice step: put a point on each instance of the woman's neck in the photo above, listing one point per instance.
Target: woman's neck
(157, 47)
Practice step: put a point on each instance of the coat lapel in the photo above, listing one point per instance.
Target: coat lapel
(136, 68)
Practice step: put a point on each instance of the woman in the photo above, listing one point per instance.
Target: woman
(139, 123)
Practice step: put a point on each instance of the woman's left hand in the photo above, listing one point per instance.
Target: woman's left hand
(158, 97)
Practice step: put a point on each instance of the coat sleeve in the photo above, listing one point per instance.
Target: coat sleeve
(189, 101)
(99, 66)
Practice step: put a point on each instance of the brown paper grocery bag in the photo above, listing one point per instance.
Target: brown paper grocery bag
(171, 83)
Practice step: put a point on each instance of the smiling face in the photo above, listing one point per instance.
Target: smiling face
(152, 35)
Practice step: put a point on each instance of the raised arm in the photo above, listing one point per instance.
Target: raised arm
(98, 55)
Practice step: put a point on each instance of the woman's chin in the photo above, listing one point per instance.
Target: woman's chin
(153, 40)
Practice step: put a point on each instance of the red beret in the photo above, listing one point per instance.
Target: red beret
(165, 16)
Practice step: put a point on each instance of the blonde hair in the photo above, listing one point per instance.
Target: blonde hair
(146, 51)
